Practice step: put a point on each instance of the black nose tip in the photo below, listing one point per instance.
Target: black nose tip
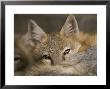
(46, 57)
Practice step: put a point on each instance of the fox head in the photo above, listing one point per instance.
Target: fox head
(53, 47)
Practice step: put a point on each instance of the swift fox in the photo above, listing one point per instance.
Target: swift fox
(68, 52)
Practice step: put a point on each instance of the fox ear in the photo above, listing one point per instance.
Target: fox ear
(70, 27)
(35, 32)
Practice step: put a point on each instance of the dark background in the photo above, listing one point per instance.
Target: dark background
(54, 22)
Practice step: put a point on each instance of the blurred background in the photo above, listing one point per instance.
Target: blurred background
(54, 22)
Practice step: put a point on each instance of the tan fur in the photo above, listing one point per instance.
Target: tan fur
(52, 53)
(87, 40)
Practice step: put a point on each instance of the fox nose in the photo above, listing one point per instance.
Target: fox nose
(47, 56)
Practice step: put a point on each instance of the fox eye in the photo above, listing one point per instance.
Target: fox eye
(66, 51)
(46, 57)
(18, 63)
(17, 58)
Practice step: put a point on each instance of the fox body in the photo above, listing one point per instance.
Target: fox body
(41, 53)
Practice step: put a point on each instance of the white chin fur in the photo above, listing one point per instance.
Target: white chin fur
(46, 61)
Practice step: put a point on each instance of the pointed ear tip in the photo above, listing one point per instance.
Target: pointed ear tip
(71, 16)
(31, 20)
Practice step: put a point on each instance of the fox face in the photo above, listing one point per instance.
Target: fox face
(56, 46)
(52, 53)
